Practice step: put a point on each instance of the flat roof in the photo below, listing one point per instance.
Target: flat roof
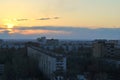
(49, 53)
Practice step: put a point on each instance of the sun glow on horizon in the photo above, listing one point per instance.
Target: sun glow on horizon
(10, 25)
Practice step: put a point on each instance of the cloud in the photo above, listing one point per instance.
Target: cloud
(30, 31)
(44, 19)
(22, 19)
(4, 31)
(48, 18)
(56, 17)
(62, 32)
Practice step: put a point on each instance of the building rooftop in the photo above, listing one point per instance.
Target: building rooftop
(48, 52)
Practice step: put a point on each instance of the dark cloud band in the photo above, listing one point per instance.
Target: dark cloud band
(22, 19)
(47, 18)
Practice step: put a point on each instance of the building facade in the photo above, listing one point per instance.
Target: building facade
(52, 65)
(104, 48)
(1, 69)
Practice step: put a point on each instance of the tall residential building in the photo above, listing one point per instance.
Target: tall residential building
(52, 65)
(103, 48)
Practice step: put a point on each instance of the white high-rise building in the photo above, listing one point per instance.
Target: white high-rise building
(52, 65)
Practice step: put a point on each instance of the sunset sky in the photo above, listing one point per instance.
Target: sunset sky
(91, 14)
(87, 13)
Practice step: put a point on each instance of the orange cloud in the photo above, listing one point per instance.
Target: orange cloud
(32, 32)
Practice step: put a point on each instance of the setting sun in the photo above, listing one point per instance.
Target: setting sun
(10, 25)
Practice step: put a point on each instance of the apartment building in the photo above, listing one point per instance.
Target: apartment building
(53, 65)
(104, 48)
